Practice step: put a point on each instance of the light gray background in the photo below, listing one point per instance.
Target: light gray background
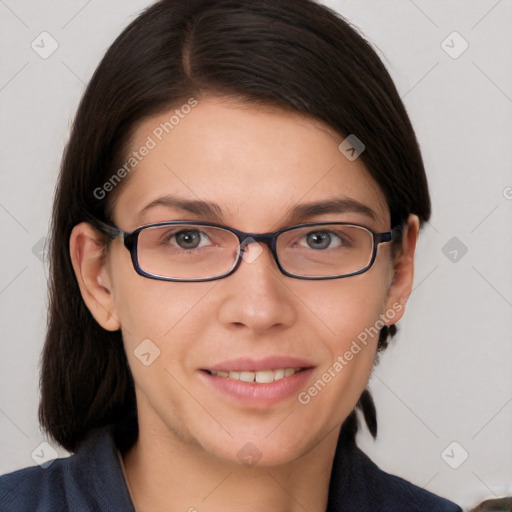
(447, 376)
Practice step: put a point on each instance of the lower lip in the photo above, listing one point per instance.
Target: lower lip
(254, 394)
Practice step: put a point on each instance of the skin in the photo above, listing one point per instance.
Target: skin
(247, 160)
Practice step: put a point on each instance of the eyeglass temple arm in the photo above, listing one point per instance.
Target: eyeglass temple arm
(108, 228)
(391, 236)
(396, 232)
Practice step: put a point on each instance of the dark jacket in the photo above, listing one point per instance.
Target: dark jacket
(92, 480)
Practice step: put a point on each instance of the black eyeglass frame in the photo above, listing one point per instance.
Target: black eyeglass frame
(270, 239)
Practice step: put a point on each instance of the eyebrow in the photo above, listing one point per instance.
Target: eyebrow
(298, 213)
(197, 207)
(336, 205)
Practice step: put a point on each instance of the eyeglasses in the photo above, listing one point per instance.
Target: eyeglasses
(201, 251)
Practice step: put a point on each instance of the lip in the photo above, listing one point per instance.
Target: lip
(254, 394)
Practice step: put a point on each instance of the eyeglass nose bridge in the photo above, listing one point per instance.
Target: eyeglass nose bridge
(245, 239)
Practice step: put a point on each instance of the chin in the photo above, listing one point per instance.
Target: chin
(249, 452)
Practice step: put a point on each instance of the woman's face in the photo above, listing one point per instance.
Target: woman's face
(252, 168)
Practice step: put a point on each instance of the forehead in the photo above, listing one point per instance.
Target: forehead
(255, 163)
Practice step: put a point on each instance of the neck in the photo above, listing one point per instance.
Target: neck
(166, 473)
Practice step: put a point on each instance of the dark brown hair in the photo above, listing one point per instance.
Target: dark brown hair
(293, 54)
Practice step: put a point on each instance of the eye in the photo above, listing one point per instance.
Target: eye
(188, 239)
(321, 240)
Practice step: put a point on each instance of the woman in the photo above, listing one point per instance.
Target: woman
(233, 241)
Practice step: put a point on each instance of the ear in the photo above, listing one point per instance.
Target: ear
(89, 259)
(403, 269)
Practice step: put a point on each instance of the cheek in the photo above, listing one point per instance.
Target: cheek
(160, 323)
(159, 311)
(344, 308)
(349, 313)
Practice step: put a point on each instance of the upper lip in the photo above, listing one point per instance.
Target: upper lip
(266, 363)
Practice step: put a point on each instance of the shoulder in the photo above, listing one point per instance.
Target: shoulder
(358, 485)
(90, 480)
(31, 488)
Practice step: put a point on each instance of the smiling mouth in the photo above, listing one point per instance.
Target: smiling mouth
(260, 376)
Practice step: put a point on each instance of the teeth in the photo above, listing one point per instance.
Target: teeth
(262, 376)
(279, 374)
(247, 376)
(265, 376)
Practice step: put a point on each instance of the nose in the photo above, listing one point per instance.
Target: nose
(256, 297)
